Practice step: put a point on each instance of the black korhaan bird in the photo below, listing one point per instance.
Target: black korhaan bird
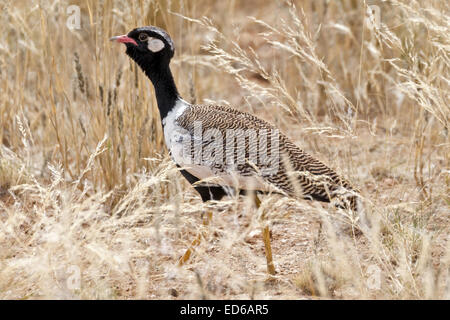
(291, 171)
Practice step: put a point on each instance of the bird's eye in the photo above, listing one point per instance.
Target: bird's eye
(143, 36)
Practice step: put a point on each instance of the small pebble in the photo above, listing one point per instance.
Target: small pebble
(173, 292)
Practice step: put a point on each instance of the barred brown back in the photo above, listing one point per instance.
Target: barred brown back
(298, 174)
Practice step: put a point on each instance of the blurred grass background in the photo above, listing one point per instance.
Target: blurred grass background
(85, 179)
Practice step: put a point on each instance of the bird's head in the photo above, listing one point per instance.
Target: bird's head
(148, 46)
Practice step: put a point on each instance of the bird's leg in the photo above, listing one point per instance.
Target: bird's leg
(266, 239)
(206, 220)
(268, 247)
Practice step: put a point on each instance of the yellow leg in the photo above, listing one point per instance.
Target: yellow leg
(206, 220)
(268, 247)
(266, 239)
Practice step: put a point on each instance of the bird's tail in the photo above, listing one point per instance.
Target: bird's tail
(353, 202)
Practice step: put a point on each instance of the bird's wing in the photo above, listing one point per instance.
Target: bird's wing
(268, 154)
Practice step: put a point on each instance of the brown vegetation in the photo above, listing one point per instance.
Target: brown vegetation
(86, 185)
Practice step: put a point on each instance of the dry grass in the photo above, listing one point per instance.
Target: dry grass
(87, 188)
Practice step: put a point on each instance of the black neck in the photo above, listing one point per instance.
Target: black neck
(165, 88)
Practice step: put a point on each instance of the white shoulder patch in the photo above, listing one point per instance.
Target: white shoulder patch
(155, 45)
(171, 128)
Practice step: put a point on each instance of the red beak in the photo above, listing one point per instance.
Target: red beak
(123, 39)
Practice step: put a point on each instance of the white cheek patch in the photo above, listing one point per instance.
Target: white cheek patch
(155, 45)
